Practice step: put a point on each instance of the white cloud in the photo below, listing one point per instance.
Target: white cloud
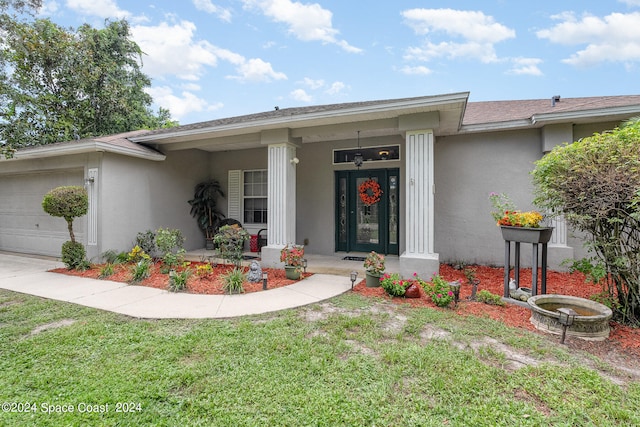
(172, 50)
(256, 70)
(307, 22)
(100, 8)
(301, 95)
(477, 31)
(526, 66)
(313, 84)
(182, 105)
(630, 2)
(209, 7)
(613, 38)
(420, 70)
(336, 88)
(48, 8)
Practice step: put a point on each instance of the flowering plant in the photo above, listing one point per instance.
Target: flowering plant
(505, 213)
(394, 285)
(439, 291)
(374, 263)
(292, 255)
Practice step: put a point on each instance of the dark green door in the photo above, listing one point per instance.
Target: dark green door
(367, 204)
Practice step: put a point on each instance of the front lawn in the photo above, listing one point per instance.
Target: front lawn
(350, 361)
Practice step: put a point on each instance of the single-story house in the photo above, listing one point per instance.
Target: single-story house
(428, 164)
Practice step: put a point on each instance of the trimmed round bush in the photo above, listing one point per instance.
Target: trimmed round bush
(74, 255)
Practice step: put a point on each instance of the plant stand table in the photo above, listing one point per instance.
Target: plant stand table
(535, 236)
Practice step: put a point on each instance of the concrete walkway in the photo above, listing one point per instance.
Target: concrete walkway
(29, 276)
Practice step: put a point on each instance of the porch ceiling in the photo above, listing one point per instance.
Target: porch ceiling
(310, 126)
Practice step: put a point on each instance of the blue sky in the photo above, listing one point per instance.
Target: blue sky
(220, 58)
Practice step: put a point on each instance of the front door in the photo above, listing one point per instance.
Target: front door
(367, 204)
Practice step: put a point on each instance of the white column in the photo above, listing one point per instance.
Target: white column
(419, 255)
(559, 236)
(92, 213)
(281, 215)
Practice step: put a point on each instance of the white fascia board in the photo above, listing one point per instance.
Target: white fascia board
(320, 115)
(490, 127)
(54, 150)
(585, 114)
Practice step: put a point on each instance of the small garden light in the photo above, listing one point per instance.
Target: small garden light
(354, 277)
(304, 264)
(566, 318)
(264, 280)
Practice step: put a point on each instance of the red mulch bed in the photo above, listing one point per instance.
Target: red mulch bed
(210, 284)
(492, 279)
(625, 338)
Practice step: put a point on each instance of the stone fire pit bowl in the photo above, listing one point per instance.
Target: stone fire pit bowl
(591, 323)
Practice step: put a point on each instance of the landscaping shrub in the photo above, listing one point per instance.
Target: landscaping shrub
(230, 241)
(74, 256)
(233, 281)
(178, 280)
(170, 244)
(439, 291)
(393, 284)
(67, 202)
(106, 271)
(140, 271)
(147, 241)
(488, 298)
(595, 184)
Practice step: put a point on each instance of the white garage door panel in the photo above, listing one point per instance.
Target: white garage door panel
(24, 226)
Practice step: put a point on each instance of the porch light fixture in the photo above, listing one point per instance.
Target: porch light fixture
(353, 277)
(304, 264)
(358, 159)
(294, 161)
(264, 280)
(90, 180)
(566, 318)
(384, 154)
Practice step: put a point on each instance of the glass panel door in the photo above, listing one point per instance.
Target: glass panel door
(366, 214)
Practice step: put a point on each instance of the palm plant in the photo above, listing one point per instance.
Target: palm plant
(204, 207)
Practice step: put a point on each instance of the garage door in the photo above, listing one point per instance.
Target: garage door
(24, 226)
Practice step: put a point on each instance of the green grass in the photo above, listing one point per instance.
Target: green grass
(347, 362)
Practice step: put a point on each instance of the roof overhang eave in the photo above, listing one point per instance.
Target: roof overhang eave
(54, 150)
(571, 116)
(367, 112)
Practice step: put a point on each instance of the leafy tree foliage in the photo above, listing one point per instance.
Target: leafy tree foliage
(60, 85)
(595, 184)
(68, 202)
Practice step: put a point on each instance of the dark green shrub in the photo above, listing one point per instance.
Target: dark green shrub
(111, 256)
(147, 241)
(106, 271)
(170, 244)
(74, 256)
(67, 202)
(230, 241)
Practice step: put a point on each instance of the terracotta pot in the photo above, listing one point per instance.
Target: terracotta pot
(413, 291)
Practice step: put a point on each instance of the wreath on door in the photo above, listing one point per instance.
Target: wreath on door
(370, 192)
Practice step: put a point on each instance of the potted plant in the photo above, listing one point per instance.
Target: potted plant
(516, 225)
(374, 266)
(292, 256)
(204, 208)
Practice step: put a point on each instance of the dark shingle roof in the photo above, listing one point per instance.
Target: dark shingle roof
(506, 111)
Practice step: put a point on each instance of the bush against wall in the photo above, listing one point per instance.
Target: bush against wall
(595, 184)
(69, 202)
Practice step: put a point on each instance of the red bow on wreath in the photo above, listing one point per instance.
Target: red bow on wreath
(370, 192)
